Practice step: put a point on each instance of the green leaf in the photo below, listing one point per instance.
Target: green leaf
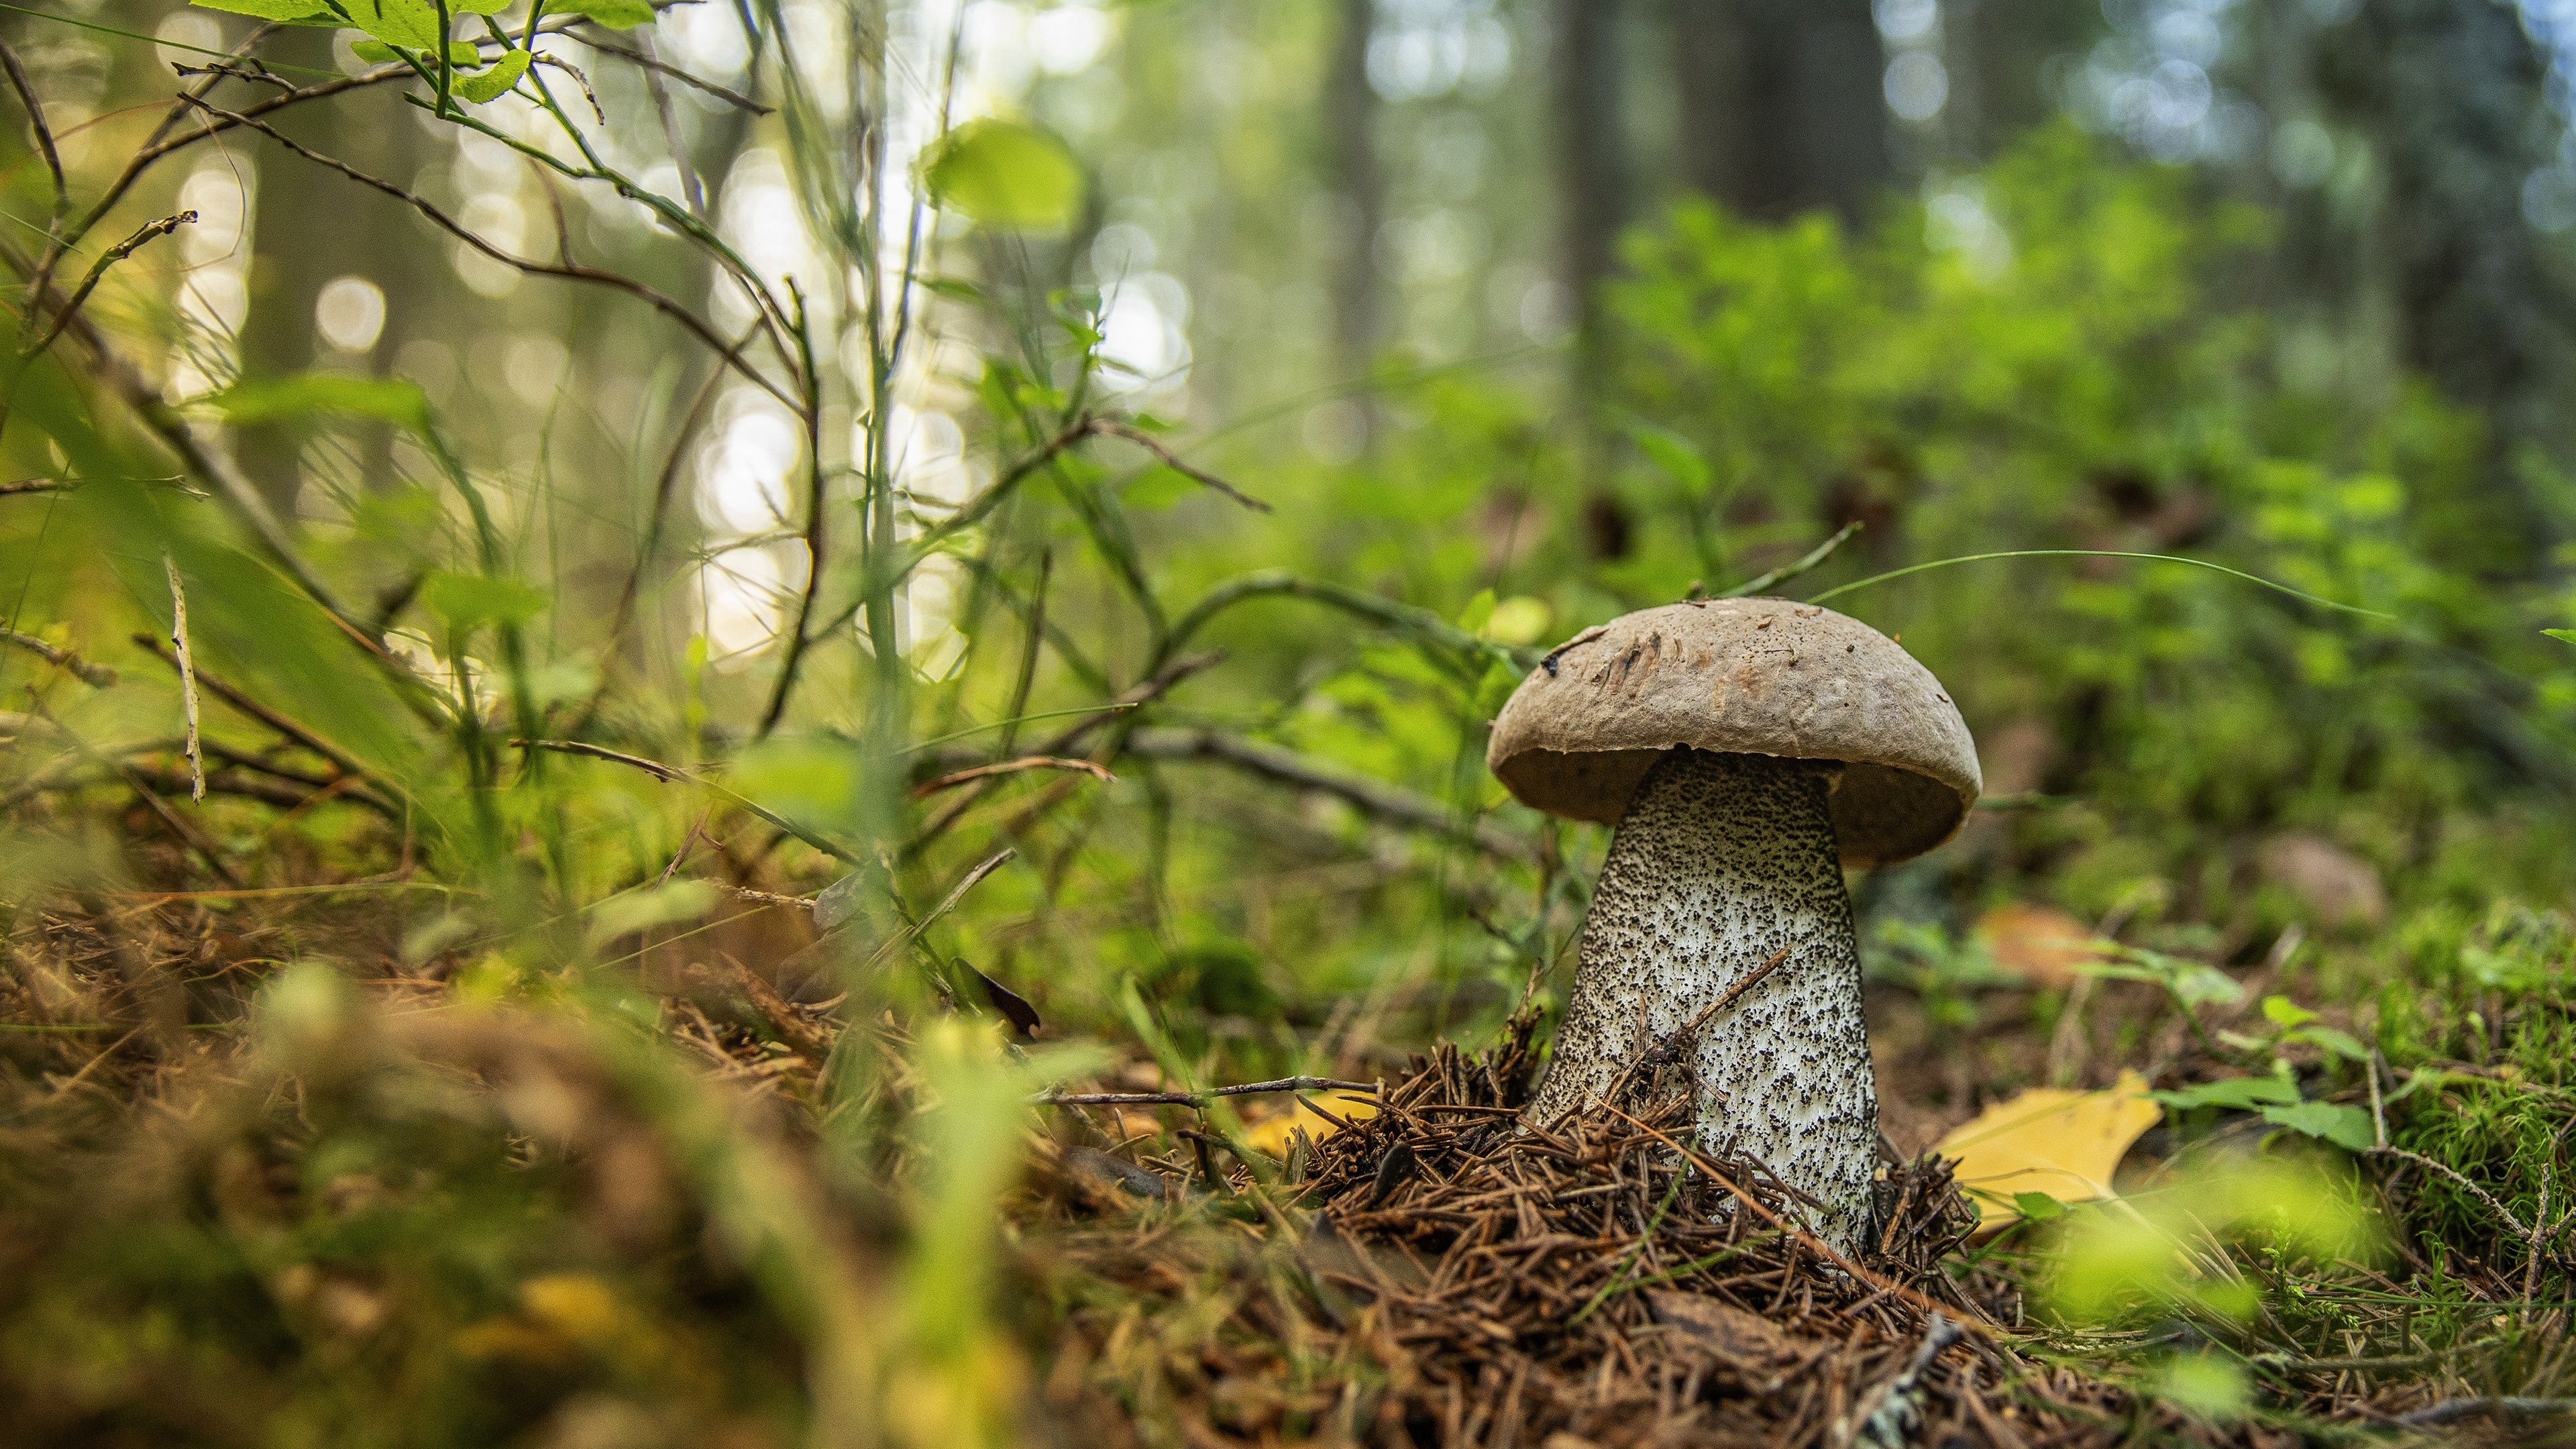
(1676, 455)
(617, 916)
(1004, 173)
(412, 24)
(468, 601)
(268, 399)
(289, 12)
(2340, 1043)
(2567, 634)
(458, 52)
(1478, 610)
(2039, 1207)
(615, 14)
(2282, 1011)
(1495, 688)
(1157, 487)
(2346, 1127)
(2243, 1094)
(489, 85)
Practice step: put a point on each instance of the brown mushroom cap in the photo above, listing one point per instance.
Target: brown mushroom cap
(1744, 676)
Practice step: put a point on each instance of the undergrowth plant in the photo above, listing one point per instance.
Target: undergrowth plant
(455, 983)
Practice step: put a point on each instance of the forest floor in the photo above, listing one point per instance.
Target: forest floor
(494, 1220)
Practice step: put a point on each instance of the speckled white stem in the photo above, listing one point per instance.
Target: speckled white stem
(1720, 862)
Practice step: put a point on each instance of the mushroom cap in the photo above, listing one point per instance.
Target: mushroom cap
(1744, 676)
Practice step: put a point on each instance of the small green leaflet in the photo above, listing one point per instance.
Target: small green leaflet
(467, 601)
(2243, 1094)
(1677, 456)
(2282, 1011)
(458, 52)
(411, 24)
(615, 14)
(490, 84)
(2346, 1127)
(1004, 173)
(2039, 1207)
(683, 900)
(2567, 634)
(287, 12)
(267, 399)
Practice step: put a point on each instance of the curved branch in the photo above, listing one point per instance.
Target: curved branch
(569, 271)
(1403, 618)
(117, 253)
(1391, 803)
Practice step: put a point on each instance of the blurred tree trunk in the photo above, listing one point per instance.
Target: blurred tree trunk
(2448, 98)
(313, 226)
(289, 264)
(1782, 109)
(1351, 112)
(1592, 182)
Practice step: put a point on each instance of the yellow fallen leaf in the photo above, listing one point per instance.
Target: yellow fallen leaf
(1270, 1134)
(2039, 944)
(2064, 1144)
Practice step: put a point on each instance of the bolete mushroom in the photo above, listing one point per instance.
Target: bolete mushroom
(1747, 750)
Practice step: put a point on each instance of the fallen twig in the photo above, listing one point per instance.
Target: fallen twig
(1194, 1099)
(187, 678)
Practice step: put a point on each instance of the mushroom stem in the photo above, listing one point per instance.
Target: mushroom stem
(1720, 863)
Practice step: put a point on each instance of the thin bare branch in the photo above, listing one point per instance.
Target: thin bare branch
(655, 66)
(106, 259)
(574, 272)
(44, 132)
(346, 763)
(1391, 803)
(1781, 575)
(1111, 427)
(1198, 1099)
(955, 778)
(97, 676)
(187, 677)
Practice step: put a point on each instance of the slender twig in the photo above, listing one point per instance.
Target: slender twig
(655, 66)
(1111, 427)
(106, 259)
(97, 676)
(44, 132)
(664, 486)
(672, 774)
(2450, 1410)
(348, 764)
(816, 514)
(1070, 739)
(1473, 652)
(947, 903)
(188, 834)
(1671, 1047)
(691, 190)
(1193, 1099)
(668, 774)
(34, 485)
(955, 778)
(1030, 646)
(187, 677)
(2480, 1193)
(575, 272)
(1387, 802)
(1781, 575)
